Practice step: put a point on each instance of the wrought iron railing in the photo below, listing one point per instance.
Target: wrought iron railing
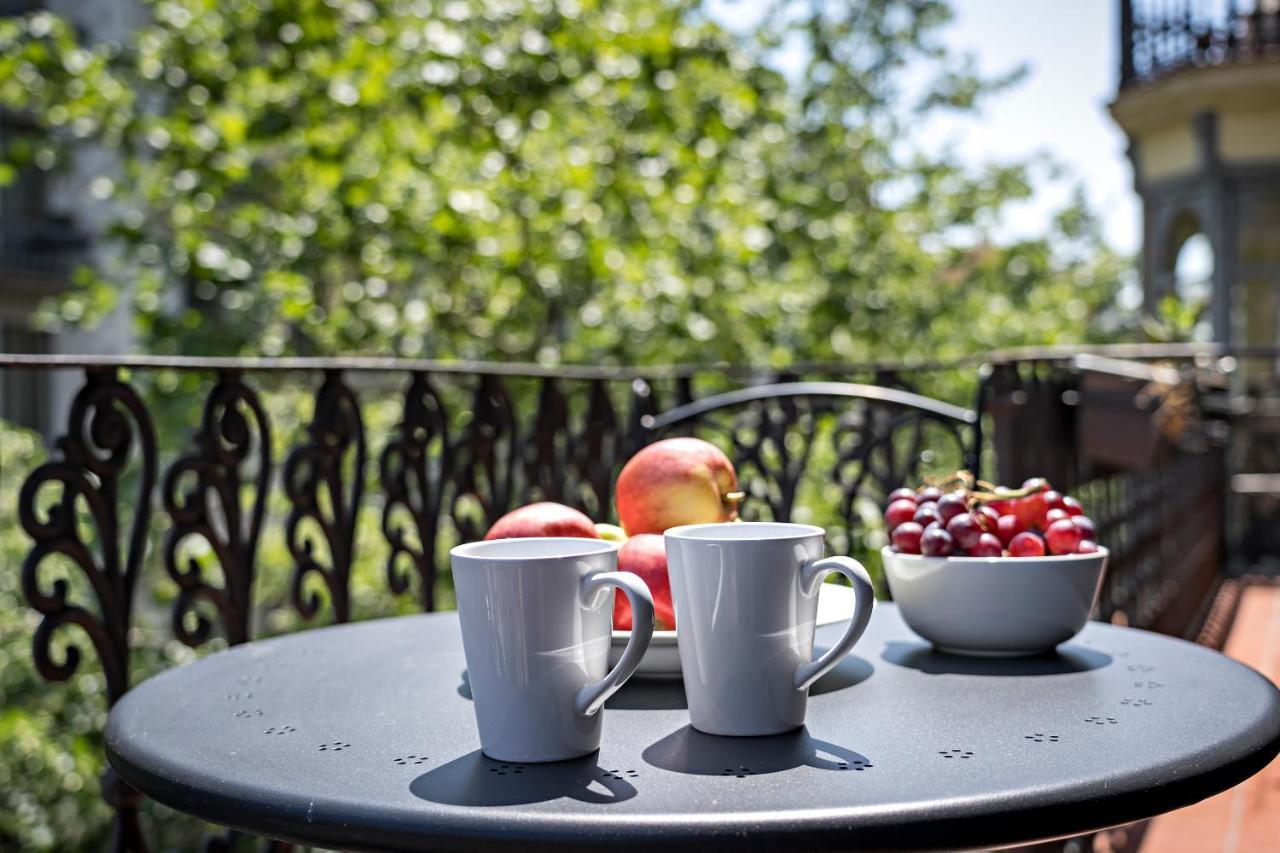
(1159, 37)
(438, 451)
(20, 7)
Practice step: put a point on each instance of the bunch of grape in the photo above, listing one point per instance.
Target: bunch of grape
(1029, 522)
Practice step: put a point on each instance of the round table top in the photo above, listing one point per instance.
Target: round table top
(362, 737)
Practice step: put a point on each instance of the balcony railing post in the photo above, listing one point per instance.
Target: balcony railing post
(596, 452)
(547, 450)
(485, 460)
(415, 468)
(107, 422)
(335, 449)
(202, 495)
(1126, 43)
(644, 405)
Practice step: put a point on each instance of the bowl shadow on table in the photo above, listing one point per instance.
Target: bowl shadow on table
(477, 780)
(667, 694)
(1067, 659)
(688, 750)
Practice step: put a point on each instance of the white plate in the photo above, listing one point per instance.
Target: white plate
(662, 660)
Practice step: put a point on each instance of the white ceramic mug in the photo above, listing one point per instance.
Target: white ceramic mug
(746, 599)
(537, 616)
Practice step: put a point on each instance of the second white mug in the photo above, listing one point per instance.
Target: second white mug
(746, 601)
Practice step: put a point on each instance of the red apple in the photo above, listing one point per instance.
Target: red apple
(645, 555)
(676, 481)
(543, 519)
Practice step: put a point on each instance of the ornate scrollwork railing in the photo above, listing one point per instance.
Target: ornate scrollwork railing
(107, 421)
(415, 468)
(202, 496)
(324, 481)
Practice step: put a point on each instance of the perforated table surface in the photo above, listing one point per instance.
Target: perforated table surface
(362, 737)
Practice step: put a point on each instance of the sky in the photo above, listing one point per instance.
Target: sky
(1059, 108)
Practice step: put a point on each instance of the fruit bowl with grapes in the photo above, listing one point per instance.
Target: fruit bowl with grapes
(985, 570)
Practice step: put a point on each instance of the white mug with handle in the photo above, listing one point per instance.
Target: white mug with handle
(746, 601)
(537, 617)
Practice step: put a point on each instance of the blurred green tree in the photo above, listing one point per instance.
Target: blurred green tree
(555, 181)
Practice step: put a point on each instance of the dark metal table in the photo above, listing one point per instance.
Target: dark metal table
(362, 737)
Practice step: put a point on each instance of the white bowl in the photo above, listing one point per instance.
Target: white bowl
(995, 606)
(662, 660)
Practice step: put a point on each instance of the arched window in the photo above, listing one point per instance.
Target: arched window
(1193, 282)
(1187, 273)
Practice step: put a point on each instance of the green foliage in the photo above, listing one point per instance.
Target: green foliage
(1175, 320)
(560, 181)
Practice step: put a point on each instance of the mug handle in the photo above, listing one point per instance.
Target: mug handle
(864, 598)
(592, 697)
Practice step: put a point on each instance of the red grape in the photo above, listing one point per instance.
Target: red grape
(898, 512)
(1053, 500)
(987, 517)
(929, 494)
(950, 505)
(935, 542)
(1026, 544)
(1053, 515)
(1087, 546)
(1086, 527)
(1030, 510)
(1003, 506)
(902, 494)
(926, 514)
(1072, 506)
(1063, 537)
(965, 530)
(986, 546)
(1007, 528)
(906, 537)
(1036, 484)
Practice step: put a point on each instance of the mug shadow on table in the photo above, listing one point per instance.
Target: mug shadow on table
(1066, 660)
(849, 672)
(477, 780)
(688, 750)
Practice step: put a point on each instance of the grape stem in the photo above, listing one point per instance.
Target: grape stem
(986, 492)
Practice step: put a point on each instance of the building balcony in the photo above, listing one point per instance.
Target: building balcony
(1158, 39)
